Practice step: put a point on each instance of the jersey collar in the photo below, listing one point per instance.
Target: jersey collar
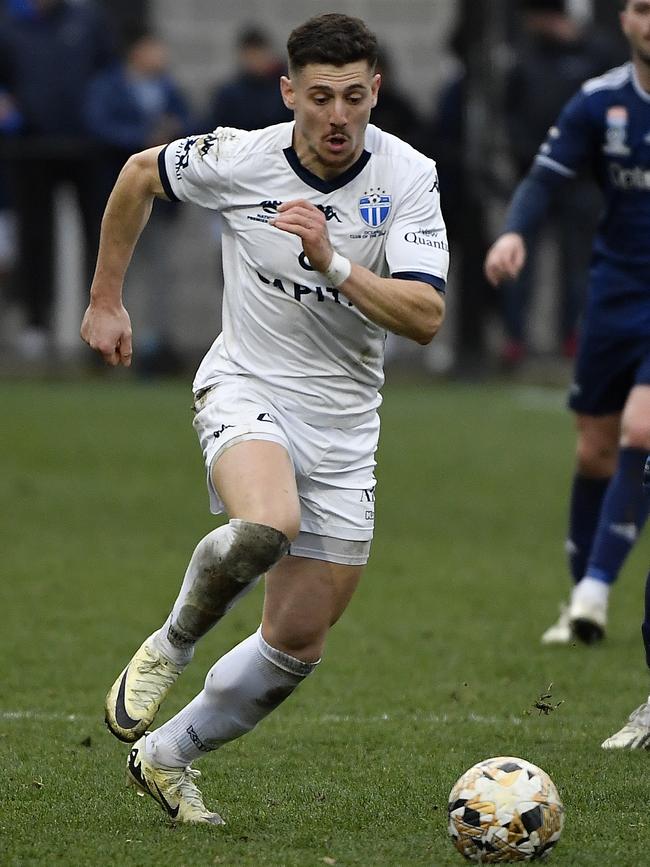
(319, 184)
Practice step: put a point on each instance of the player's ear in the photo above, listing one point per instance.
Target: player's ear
(288, 92)
(376, 84)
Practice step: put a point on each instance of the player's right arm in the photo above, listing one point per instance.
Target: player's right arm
(106, 326)
(565, 150)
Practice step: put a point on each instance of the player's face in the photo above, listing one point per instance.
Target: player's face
(635, 21)
(331, 105)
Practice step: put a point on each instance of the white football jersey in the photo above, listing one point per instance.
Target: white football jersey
(282, 324)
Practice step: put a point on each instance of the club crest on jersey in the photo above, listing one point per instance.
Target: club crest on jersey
(374, 207)
(616, 132)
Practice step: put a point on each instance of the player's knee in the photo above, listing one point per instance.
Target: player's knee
(252, 550)
(261, 546)
(596, 456)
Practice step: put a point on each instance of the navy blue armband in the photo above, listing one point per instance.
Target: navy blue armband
(531, 200)
(164, 178)
(437, 282)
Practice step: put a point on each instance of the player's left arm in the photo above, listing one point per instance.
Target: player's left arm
(411, 308)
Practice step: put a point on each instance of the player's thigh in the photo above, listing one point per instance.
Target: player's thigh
(635, 428)
(255, 480)
(597, 444)
(303, 599)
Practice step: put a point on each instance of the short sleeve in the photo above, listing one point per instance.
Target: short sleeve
(197, 168)
(416, 246)
(568, 145)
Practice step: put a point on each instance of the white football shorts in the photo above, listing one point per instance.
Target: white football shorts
(334, 467)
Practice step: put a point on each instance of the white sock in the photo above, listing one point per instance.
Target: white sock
(225, 566)
(241, 689)
(591, 590)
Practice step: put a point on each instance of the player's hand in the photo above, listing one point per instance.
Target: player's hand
(301, 218)
(505, 258)
(108, 331)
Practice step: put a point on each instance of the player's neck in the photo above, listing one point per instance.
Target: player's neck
(642, 69)
(311, 160)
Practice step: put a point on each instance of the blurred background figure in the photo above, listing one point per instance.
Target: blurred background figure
(134, 105)
(553, 56)
(448, 141)
(251, 99)
(10, 123)
(395, 112)
(49, 49)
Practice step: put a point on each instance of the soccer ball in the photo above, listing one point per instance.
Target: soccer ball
(505, 809)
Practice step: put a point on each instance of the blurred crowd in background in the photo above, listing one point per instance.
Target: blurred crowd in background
(84, 84)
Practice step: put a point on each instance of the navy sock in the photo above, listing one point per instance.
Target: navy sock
(586, 501)
(645, 626)
(623, 514)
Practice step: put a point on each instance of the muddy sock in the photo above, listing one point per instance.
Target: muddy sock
(225, 565)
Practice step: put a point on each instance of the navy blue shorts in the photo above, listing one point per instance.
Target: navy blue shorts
(607, 369)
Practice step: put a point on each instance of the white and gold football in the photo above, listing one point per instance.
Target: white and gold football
(505, 809)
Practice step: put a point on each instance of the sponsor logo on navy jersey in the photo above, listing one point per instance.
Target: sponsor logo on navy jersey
(616, 131)
(374, 207)
(632, 178)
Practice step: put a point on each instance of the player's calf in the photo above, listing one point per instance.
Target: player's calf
(224, 566)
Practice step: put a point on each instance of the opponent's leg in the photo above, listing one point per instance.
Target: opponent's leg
(623, 514)
(597, 445)
(635, 734)
(303, 599)
(256, 482)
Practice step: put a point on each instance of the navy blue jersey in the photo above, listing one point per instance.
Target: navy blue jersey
(606, 128)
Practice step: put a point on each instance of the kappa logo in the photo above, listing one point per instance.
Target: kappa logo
(182, 159)
(374, 207)
(329, 212)
(196, 740)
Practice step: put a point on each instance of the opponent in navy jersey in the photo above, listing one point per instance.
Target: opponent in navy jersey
(332, 236)
(604, 130)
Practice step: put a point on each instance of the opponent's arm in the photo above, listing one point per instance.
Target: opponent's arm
(506, 257)
(569, 146)
(106, 326)
(408, 307)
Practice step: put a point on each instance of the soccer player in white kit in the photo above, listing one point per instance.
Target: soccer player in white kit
(332, 236)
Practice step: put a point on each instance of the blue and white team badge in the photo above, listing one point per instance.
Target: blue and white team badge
(374, 207)
(616, 132)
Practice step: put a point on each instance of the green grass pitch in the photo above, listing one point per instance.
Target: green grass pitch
(435, 665)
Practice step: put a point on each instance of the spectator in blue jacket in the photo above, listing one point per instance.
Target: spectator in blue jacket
(134, 105)
(49, 49)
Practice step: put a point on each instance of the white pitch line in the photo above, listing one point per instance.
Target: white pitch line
(326, 719)
(42, 716)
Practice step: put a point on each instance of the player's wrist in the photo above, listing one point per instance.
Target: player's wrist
(338, 270)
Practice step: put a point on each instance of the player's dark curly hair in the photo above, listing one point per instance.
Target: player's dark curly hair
(332, 38)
